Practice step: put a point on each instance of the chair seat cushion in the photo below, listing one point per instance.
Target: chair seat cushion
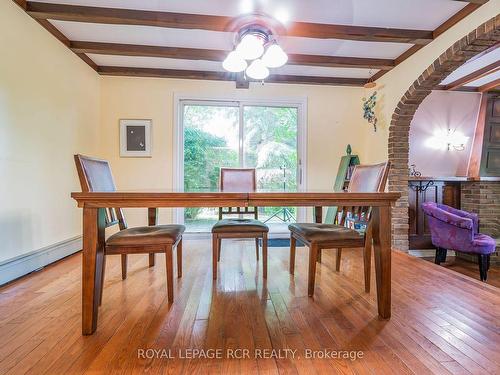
(239, 225)
(481, 244)
(141, 236)
(327, 233)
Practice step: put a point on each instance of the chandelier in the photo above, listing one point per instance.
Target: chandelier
(256, 51)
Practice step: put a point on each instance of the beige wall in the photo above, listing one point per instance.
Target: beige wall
(49, 109)
(334, 119)
(394, 84)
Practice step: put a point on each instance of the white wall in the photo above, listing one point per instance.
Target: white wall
(49, 110)
(440, 111)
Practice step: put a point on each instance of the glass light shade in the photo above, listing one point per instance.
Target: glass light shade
(250, 47)
(257, 70)
(274, 56)
(234, 63)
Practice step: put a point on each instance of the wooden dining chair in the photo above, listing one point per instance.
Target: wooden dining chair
(95, 176)
(364, 179)
(239, 180)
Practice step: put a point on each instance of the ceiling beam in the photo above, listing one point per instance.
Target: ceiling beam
(489, 86)
(488, 69)
(220, 55)
(224, 76)
(473, 1)
(218, 23)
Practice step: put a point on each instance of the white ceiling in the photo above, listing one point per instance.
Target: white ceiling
(405, 14)
(474, 65)
(410, 14)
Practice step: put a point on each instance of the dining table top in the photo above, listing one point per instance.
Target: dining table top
(213, 198)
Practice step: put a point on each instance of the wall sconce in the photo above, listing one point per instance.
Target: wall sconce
(450, 140)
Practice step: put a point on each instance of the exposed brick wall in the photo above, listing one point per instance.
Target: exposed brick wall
(474, 43)
(483, 198)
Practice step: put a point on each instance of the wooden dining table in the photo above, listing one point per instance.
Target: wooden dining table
(94, 205)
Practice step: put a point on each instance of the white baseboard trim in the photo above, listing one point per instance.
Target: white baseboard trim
(22, 265)
(428, 253)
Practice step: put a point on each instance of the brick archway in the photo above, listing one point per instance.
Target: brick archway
(470, 45)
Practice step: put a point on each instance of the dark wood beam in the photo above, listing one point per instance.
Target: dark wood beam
(218, 23)
(453, 20)
(488, 69)
(489, 86)
(219, 55)
(360, 33)
(223, 76)
(473, 1)
(485, 52)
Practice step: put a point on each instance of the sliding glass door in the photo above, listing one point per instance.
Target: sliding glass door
(240, 134)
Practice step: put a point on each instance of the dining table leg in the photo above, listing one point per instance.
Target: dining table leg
(93, 258)
(381, 231)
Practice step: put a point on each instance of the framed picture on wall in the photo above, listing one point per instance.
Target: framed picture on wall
(135, 138)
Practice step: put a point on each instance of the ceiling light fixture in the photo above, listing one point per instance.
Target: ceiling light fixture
(234, 63)
(257, 45)
(257, 70)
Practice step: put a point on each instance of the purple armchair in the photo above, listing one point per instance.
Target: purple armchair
(458, 230)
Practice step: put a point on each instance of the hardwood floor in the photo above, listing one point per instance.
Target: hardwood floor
(442, 322)
(471, 269)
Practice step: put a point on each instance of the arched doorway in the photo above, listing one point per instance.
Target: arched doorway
(479, 40)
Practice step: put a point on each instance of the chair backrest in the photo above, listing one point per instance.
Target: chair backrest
(369, 178)
(95, 176)
(238, 180)
(365, 179)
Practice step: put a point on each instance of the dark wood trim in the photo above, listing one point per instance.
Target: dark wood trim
(360, 33)
(489, 86)
(218, 23)
(453, 20)
(224, 76)
(488, 69)
(21, 3)
(473, 1)
(474, 167)
(485, 52)
(462, 88)
(220, 55)
(313, 80)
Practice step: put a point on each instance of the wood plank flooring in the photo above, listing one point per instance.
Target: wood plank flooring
(442, 323)
(471, 269)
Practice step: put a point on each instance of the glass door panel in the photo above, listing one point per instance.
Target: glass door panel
(270, 146)
(211, 135)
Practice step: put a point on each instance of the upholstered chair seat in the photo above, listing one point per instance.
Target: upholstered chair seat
(140, 236)
(238, 225)
(325, 232)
